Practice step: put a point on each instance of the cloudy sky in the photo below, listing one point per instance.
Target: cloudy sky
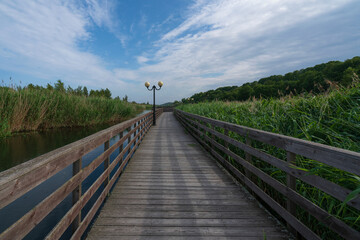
(190, 45)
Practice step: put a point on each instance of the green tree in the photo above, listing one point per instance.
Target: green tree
(70, 90)
(92, 93)
(125, 99)
(49, 87)
(347, 77)
(59, 86)
(107, 93)
(85, 92)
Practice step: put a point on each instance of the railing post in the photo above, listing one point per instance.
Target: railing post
(201, 129)
(134, 129)
(76, 194)
(146, 121)
(129, 140)
(248, 157)
(226, 144)
(210, 136)
(226, 133)
(106, 162)
(135, 124)
(121, 147)
(140, 128)
(291, 183)
(213, 135)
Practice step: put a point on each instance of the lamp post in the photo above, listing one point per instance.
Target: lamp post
(147, 85)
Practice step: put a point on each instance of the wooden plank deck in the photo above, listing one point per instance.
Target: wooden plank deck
(173, 189)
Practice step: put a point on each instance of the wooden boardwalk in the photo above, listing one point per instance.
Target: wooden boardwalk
(173, 189)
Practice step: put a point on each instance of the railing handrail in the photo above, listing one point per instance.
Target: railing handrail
(335, 157)
(15, 174)
(168, 108)
(21, 179)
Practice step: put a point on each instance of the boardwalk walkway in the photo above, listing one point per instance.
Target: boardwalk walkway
(173, 189)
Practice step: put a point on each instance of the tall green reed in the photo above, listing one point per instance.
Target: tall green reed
(332, 118)
(33, 109)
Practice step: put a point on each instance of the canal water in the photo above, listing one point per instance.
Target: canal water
(23, 147)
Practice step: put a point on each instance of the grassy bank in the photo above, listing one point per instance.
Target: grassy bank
(26, 109)
(331, 118)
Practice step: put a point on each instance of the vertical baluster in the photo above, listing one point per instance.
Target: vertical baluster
(226, 132)
(201, 134)
(248, 157)
(121, 147)
(138, 123)
(291, 183)
(142, 123)
(226, 144)
(106, 162)
(134, 128)
(210, 136)
(129, 140)
(213, 135)
(147, 122)
(76, 194)
(204, 130)
(134, 133)
(140, 128)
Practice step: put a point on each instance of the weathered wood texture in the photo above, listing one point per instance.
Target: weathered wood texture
(19, 180)
(214, 136)
(173, 189)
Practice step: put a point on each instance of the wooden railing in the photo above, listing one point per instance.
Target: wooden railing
(214, 135)
(168, 109)
(21, 179)
(158, 112)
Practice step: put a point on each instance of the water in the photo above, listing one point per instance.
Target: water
(23, 147)
(20, 148)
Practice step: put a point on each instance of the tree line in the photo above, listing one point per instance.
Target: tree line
(59, 86)
(313, 79)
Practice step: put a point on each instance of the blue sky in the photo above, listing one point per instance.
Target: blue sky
(190, 45)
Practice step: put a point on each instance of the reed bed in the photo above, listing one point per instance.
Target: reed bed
(332, 118)
(25, 109)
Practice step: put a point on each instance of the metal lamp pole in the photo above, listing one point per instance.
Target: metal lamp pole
(147, 85)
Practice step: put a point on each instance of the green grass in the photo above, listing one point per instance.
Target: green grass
(331, 118)
(33, 109)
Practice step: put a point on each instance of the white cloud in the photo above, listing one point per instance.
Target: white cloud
(102, 14)
(242, 40)
(143, 20)
(221, 42)
(126, 74)
(41, 39)
(142, 59)
(159, 27)
(99, 12)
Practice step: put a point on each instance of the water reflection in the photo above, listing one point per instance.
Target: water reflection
(20, 148)
(23, 147)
